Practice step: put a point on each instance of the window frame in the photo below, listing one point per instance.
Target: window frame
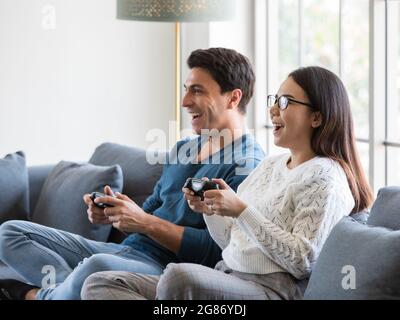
(388, 143)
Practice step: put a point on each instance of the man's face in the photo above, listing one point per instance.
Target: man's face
(204, 102)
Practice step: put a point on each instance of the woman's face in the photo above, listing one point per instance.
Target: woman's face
(293, 126)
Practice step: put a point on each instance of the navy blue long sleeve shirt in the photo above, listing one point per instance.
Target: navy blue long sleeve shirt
(233, 164)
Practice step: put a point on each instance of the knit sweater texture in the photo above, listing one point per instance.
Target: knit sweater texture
(289, 216)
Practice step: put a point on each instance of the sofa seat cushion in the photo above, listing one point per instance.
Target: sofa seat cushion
(357, 261)
(60, 204)
(14, 187)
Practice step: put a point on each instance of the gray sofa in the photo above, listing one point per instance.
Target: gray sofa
(139, 178)
(368, 243)
(361, 260)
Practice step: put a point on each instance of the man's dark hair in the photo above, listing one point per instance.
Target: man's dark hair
(230, 69)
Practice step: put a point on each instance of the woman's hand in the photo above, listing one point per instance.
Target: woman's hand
(223, 202)
(195, 202)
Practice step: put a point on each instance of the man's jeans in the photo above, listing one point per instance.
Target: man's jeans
(33, 250)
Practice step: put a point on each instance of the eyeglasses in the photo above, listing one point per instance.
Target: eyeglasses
(283, 101)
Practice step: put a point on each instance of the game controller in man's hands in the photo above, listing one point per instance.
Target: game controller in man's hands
(101, 205)
(198, 186)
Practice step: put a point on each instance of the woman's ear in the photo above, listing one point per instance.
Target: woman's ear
(317, 119)
(235, 97)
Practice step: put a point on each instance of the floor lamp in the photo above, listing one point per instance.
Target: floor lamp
(176, 11)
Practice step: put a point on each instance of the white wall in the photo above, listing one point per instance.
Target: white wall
(238, 34)
(194, 36)
(73, 76)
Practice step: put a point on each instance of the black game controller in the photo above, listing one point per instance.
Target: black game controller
(198, 186)
(101, 205)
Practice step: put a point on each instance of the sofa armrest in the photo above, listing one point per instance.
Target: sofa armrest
(37, 176)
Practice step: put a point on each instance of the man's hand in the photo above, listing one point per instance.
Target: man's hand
(95, 214)
(126, 215)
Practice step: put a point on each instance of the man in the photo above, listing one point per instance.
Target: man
(218, 88)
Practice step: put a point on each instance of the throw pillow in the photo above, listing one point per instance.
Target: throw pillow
(358, 261)
(14, 187)
(386, 211)
(60, 203)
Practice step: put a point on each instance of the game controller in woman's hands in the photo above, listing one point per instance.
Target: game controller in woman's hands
(198, 186)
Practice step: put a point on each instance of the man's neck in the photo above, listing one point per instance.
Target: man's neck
(229, 134)
(220, 139)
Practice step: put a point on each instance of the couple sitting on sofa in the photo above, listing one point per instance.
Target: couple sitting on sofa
(270, 231)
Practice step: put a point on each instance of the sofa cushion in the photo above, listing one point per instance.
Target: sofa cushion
(386, 210)
(14, 188)
(139, 175)
(60, 203)
(357, 261)
(37, 176)
(361, 216)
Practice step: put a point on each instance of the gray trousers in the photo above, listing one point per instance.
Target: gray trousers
(187, 281)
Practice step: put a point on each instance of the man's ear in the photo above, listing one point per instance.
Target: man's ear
(235, 97)
(317, 119)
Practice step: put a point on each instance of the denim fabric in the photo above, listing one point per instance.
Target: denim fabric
(32, 250)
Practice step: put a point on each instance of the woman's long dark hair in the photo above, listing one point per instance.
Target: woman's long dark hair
(335, 137)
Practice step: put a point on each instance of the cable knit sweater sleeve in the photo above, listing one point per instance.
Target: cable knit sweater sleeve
(318, 206)
(219, 228)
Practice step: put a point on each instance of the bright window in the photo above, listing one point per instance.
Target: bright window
(393, 93)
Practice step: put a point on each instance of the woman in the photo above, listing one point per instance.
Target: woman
(273, 229)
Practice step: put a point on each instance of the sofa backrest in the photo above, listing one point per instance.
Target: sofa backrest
(386, 210)
(139, 176)
(37, 176)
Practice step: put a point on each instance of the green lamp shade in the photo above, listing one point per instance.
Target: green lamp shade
(176, 10)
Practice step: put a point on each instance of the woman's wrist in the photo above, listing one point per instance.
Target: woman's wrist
(241, 206)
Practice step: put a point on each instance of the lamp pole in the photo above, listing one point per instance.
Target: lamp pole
(178, 79)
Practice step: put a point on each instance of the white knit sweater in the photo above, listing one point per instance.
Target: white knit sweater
(290, 213)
